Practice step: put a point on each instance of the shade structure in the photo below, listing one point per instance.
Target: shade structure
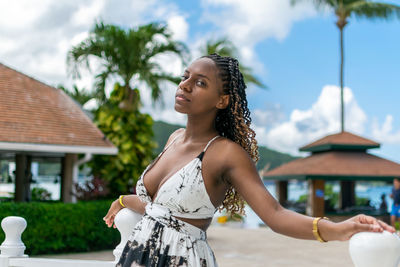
(341, 141)
(337, 165)
(338, 157)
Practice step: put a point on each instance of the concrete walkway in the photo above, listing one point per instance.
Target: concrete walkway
(256, 248)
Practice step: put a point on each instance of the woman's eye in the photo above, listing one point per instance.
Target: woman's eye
(201, 83)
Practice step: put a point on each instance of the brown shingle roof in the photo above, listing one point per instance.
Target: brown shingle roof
(337, 165)
(33, 112)
(342, 140)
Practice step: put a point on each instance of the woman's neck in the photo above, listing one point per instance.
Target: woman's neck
(199, 129)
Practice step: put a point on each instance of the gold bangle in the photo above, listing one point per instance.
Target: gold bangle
(315, 229)
(120, 200)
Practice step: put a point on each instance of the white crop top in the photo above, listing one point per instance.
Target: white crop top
(183, 193)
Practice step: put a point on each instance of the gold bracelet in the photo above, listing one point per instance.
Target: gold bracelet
(120, 200)
(315, 228)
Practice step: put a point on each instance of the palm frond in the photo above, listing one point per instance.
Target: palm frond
(222, 46)
(126, 52)
(319, 4)
(372, 10)
(249, 78)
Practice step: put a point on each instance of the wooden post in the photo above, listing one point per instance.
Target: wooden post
(282, 191)
(67, 177)
(23, 177)
(347, 194)
(316, 202)
(20, 167)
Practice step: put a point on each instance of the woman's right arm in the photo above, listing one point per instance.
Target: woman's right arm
(130, 201)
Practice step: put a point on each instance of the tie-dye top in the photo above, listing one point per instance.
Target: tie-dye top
(183, 193)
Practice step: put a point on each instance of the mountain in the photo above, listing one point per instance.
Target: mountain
(162, 131)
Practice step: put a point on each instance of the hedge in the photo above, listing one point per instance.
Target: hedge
(60, 228)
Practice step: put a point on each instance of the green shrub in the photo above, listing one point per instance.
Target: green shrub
(59, 228)
(40, 194)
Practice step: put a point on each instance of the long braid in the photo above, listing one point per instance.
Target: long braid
(234, 121)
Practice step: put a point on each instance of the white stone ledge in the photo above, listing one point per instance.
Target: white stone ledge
(43, 262)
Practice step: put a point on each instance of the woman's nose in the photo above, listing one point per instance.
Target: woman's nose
(186, 85)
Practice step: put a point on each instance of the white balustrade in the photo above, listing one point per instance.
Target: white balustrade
(369, 249)
(12, 249)
(13, 227)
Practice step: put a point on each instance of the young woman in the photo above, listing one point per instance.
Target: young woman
(210, 164)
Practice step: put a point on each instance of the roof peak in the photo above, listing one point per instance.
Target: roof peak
(341, 141)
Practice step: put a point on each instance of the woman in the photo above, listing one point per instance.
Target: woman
(210, 164)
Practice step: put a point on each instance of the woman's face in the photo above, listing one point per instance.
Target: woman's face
(200, 91)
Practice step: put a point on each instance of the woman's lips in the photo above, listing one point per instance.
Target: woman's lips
(181, 97)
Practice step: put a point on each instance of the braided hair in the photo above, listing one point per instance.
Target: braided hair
(234, 121)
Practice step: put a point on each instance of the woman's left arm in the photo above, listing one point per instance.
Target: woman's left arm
(241, 172)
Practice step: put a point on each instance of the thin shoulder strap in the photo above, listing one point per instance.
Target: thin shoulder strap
(209, 143)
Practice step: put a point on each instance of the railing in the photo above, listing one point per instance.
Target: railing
(12, 249)
(367, 249)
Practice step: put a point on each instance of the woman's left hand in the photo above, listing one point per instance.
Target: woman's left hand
(360, 223)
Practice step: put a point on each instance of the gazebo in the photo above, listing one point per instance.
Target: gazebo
(338, 157)
(38, 121)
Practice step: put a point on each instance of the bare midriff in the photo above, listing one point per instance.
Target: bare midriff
(203, 224)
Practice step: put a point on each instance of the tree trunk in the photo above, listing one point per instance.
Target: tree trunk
(341, 79)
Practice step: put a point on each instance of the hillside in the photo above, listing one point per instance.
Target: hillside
(163, 130)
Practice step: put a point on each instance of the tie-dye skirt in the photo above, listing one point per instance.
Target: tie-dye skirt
(160, 239)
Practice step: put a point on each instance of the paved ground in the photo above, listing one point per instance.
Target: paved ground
(258, 247)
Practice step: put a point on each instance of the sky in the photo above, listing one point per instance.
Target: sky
(294, 50)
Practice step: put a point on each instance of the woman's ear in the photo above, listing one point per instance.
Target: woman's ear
(223, 102)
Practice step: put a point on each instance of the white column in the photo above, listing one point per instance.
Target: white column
(13, 228)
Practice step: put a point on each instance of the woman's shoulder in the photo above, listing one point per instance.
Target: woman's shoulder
(174, 135)
(229, 155)
(227, 148)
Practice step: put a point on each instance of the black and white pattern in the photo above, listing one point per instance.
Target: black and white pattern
(160, 239)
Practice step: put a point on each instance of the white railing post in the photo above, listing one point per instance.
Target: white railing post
(12, 247)
(13, 227)
(372, 249)
(125, 220)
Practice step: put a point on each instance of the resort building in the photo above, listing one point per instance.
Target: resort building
(41, 123)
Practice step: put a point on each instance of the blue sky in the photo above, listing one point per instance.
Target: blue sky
(293, 50)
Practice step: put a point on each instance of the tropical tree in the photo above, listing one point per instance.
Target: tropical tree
(226, 48)
(129, 55)
(130, 131)
(344, 9)
(79, 95)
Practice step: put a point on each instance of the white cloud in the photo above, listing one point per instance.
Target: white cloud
(305, 126)
(249, 22)
(385, 133)
(268, 117)
(36, 35)
(20, 15)
(87, 14)
(179, 27)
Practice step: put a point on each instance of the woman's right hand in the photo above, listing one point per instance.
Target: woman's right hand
(110, 216)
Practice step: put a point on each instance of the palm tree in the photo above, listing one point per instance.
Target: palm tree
(226, 48)
(127, 54)
(79, 95)
(360, 9)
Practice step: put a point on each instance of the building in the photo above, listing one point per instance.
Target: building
(37, 122)
(340, 157)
